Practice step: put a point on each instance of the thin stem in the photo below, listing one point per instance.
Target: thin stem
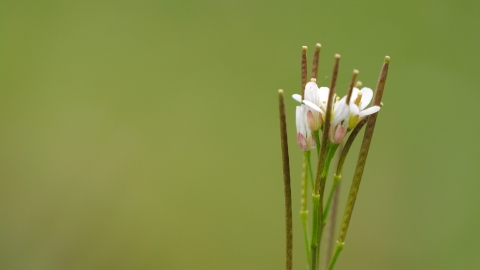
(336, 180)
(316, 231)
(286, 180)
(306, 154)
(362, 158)
(331, 225)
(331, 154)
(318, 202)
(320, 181)
(303, 208)
(304, 218)
(316, 135)
(338, 249)
(319, 186)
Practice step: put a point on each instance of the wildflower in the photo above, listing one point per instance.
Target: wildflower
(304, 134)
(316, 100)
(359, 101)
(339, 123)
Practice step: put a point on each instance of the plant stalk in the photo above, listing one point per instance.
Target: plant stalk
(306, 155)
(286, 181)
(320, 181)
(331, 224)
(303, 207)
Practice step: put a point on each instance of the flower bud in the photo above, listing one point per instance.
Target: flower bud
(314, 120)
(336, 135)
(304, 134)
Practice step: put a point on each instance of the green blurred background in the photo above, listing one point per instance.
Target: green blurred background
(145, 135)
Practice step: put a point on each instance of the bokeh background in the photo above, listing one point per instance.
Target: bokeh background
(145, 135)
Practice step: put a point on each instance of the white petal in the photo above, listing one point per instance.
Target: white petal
(367, 95)
(323, 92)
(297, 97)
(311, 86)
(314, 94)
(354, 95)
(323, 97)
(341, 112)
(354, 110)
(369, 111)
(341, 101)
(311, 89)
(313, 106)
(300, 119)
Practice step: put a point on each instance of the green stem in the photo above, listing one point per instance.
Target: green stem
(316, 231)
(331, 152)
(330, 226)
(336, 180)
(319, 183)
(304, 218)
(316, 135)
(318, 214)
(309, 166)
(331, 215)
(338, 249)
(303, 209)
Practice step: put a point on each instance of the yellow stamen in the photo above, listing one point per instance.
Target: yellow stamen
(358, 99)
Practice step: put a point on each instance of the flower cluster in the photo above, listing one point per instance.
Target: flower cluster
(310, 115)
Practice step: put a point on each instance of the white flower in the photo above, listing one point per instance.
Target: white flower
(316, 100)
(339, 123)
(344, 116)
(304, 134)
(358, 102)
